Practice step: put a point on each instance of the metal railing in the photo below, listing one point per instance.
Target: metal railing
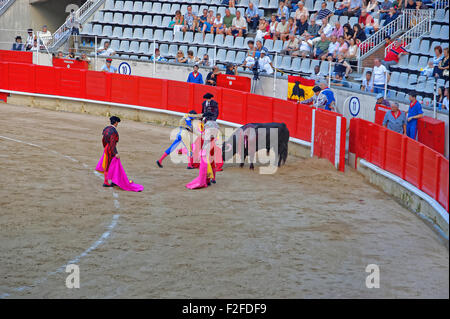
(4, 5)
(82, 14)
(440, 4)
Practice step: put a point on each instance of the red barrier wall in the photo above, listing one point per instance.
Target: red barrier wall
(16, 56)
(70, 64)
(235, 82)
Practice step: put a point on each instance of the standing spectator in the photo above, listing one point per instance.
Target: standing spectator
(252, 16)
(228, 21)
(211, 78)
(414, 114)
(394, 53)
(189, 20)
(330, 99)
(313, 28)
(239, 25)
(18, 45)
(367, 82)
(438, 56)
(324, 12)
(30, 39)
(108, 67)
(385, 6)
(382, 101)
(195, 76)
(380, 76)
(106, 50)
(445, 100)
(395, 120)
(442, 68)
(440, 96)
(45, 35)
(73, 23)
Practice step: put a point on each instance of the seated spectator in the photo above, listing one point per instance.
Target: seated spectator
(326, 28)
(372, 6)
(86, 59)
(301, 12)
(321, 47)
(438, 56)
(218, 25)
(30, 39)
(428, 70)
(259, 48)
(35, 46)
(283, 11)
(191, 59)
(392, 15)
(189, 18)
(158, 57)
(60, 55)
(300, 27)
(348, 32)
(71, 54)
(341, 71)
(208, 24)
(263, 30)
(18, 45)
(265, 64)
(211, 78)
(231, 69)
(106, 50)
(292, 28)
(282, 31)
(180, 58)
(228, 21)
(324, 12)
(205, 61)
(343, 7)
(382, 101)
(108, 67)
(273, 26)
(333, 48)
(304, 47)
(252, 16)
(414, 114)
(291, 45)
(178, 22)
(352, 50)
(367, 22)
(195, 76)
(395, 120)
(338, 30)
(442, 68)
(440, 96)
(313, 28)
(45, 35)
(343, 46)
(358, 33)
(354, 10)
(394, 53)
(385, 6)
(239, 26)
(317, 75)
(380, 76)
(445, 100)
(367, 82)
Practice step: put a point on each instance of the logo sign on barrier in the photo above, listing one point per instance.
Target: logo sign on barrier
(124, 68)
(354, 106)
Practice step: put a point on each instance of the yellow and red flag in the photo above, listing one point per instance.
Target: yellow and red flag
(300, 89)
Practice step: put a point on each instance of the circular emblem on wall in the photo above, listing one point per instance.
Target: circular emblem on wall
(354, 106)
(124, 68)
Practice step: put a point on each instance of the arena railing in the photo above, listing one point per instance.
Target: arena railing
(4, 5)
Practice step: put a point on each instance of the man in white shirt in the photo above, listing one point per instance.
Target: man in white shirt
(265, 65)
(45, 35)
(333, 48)
(326, 28)
(305, 46)
(105, 50)
(380, 76)
(30, 39)
(239, 26)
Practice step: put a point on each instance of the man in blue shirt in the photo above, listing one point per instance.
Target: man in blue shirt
(395, 119)
(414, 113)
(252, 16)
(354, 8)
(331, 101)
(195, 76)
(108, 67)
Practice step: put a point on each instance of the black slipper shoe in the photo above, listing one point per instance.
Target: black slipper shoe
(159, 164)
(107, 185)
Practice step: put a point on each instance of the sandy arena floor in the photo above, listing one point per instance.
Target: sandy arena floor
(307, 231)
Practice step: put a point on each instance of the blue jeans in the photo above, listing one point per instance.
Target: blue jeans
(411, 129)
(340, 12)
(377, 88)
(368, 30)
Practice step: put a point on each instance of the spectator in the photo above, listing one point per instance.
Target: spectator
(333, 48)
(304, 47)
(438, 56)
(344, 6)
(252, 16)
(265, 64)
(358, 33)
(71, 55)
(313, 28)
(314, 100)
(189, 20)
(326, 28)
(60, 55)
(157, 57)
(367, 82)
(108, 67)
(301, 12)
(385, 6)
(218, 25)
(30, 39)
(239, 25)
(259, 48)
(414, 114)
(394, 53)
(380, 77)
(178, 20)
(392, 15)
(191, 59)
(395, 120)
(18, 45)
(445, 100)
(317, 75)
(367, 22)
(203, 18)
(354, 10)
(291, 46)
(428, 70)
(341, 71)
(45, 35)
(228, 21)
(329, 103)
(208, 24)
(273, 26)
(323, 13)
(348, 32)
(440, 96)
(338, 30)
(321, 47)
(211, 78)
(85, 58)
(283, 11)
(442, 68)
(343, 46)
(195, 76)
(231, 69)
(205, 60)
(352, 50)
(263, 30)
(419, 5)
(372, 6)
(106, 50)
(180, 58)
(282, 31)
(35, 46)
(382, 101)
(301, 27)
(73, 23)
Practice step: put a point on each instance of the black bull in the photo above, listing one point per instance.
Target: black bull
(246, 139)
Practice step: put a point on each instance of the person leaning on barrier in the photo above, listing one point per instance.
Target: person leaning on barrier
(315, 98)
(231, 69)
(18, 45)
(108, 67)
(395, 120)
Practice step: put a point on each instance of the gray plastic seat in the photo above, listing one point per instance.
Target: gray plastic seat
(352, 21)
(295, 66)
(263, 4)
(147, 7)
(108, 18)
(137, 6)
(221, 55)
(324, 67)
(152, 48)
(432, 46)
(178, 37)
(277, 46)
(147, 20)
(403, 81)
(286, 63)
(173, 50)
(144, 58)
(209, 39)
(278, 61)
(164, 50)
(124, 56)
(231, 56)
(165, 10)
(268, 44)
(218, 40)
(137, 20)
(273, 4)
(304, 66)
(98, 16)
(414, 46)
(97, 30)
(402, 63)
(240, 57)
(124, 45)
(128, 6)
(87, 29)
(229, 39)
(435, 31)
(188, 37)
(127, 33)
(118, 18)
(138, 34)
(174, 8)
(429, 87)
(444, 32)
(238, 42)
(201, 52)
(211, 53)
(115, 45)
(393, 80)
(156, 7)
(439, 16)
(343, 20)
(117, 33)
(148, 34)
(198, 38)
(424, 47)
(158, 35)
(194, 50)
(413, 63)
(118, 6)
(107, 31)
(134, 47)
(168, 36)
(183, 9)
(165, 22)
(312, 65)
(128, 19)
(157, 21)
(109, 5)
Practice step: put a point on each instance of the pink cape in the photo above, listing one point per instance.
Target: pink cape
(200, 180)
(118, 176)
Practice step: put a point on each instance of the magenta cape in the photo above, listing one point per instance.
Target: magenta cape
(118, 176)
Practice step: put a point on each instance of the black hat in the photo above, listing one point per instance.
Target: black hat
(18, 37)
(192, 112)
(208, 96)
(30, 30)
(317, 89)
(114, 119)
(109, 60)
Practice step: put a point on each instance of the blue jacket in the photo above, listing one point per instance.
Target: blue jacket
(193, 79)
